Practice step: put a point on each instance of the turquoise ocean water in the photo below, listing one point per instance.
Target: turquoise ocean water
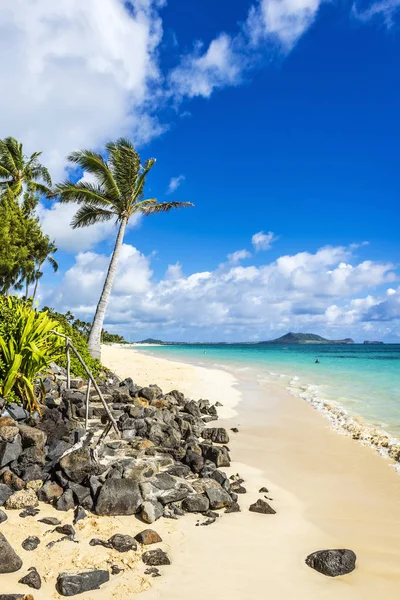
(363, 379)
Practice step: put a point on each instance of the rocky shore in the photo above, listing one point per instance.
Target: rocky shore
(165, 461)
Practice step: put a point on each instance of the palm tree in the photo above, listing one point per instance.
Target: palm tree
(117, 194)
(47, 249)
(18, 170)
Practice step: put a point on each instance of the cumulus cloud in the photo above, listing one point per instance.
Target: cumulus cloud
(328, 291)
(263, 241)
(80, 73)
(174, 183)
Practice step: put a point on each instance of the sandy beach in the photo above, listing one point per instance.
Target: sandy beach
(328, 491)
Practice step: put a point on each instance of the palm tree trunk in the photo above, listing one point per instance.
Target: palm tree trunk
(26, 288)
(97, 326)
(36, 284)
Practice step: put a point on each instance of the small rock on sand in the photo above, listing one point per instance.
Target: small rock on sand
(9, 560)
(31, 543)
(147, 537)
(262, 507)
(332, 562)
(70, 584)
(32, 579)
(155, 558)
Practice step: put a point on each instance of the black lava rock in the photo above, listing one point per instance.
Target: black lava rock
(73, 584)
(332, 562)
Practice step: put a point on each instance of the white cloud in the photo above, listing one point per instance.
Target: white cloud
(174, 183)
(80, 73)
(328, 292)
(263, 241)
(282, 21)
(239, 255)
(385, 9)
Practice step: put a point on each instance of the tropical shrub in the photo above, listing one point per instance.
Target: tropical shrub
(26, 348)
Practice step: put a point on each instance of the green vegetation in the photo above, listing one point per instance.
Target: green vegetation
(24, 248)
(306, 338)
(117, 195)
(77, 331)
(27, 347)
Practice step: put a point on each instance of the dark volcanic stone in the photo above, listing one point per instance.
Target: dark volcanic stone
(5, 493)
(218, 435)
(263, 490)
(3, 516)
(32, 579)
(15, 597)
(9, 560)
(234, 507)
(218, 497)
(262, 507)
(50, 521)
(30, 511)
(79, 514)
(119, 497)
(66, 501)
(153, 571)
(50, 492)
(155, 558)
(196, 503)
(10, 451)
(72, 584)
(147, 537)
(80, 464)
(218, 455)
(122, 543)
(332, 562)
(32, 436)
(31, 543)
(65, 530)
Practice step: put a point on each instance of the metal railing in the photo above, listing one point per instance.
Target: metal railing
(91, 380)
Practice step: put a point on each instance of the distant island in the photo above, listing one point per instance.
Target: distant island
(306, 338)
(289, 338)
(369, 342)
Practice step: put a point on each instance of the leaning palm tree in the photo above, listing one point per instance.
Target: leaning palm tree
(18, 171)
(117, 194)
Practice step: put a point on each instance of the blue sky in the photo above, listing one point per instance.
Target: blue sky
(269, 115)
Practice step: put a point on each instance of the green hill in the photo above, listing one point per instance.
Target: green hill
(306, 338)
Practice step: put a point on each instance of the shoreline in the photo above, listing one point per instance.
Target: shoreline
(342, 421)
(328, 492)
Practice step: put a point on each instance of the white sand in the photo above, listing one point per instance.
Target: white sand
(328, 491)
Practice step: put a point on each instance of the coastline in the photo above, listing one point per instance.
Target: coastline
(327, 490)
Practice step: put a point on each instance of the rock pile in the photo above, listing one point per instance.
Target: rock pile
(166, 460)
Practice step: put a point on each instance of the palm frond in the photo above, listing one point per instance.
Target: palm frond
(93, 163)
(39, 171)
(80, 192)
(34, 186)
(125, 166)
(164, 207)
(53, 263)
(89, 215)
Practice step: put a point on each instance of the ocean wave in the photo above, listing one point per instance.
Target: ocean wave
(349, 424)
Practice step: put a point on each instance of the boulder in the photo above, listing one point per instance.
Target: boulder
(147, 537)
(8, 432)
(196, 503)
(218, 497)
(151, 511)
(9, 560)
(50, 492)
(71, 584)
(17, 412)
(216, 454)
(217, 435)
(32, 436)
(332, 562)
(32, 579)
(80, 464)
(262, 507)
(155, 558)
(5, 493)
(119, 497)
(10, 451)
(22, 499)
(66, 501)
(122, 543)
